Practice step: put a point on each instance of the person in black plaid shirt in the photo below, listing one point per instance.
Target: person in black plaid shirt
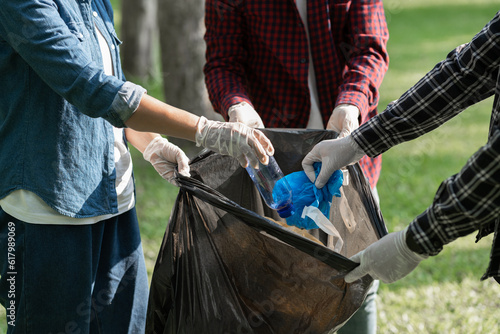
(465, 202)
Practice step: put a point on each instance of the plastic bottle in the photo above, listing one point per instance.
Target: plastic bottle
(277, 194)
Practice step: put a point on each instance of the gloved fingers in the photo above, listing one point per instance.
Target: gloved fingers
(249, 158)
(266, 148)
(248, 152)
(324, 174)
(250, 122)
(164, 156)
(235, 139)
(307, 164)
(349, 125)
(166, 170)
(344, 133)
(182, 163)
(172, 153)
(334, 154)
(244, 162)
(254, 145)
(257, 124)
(357, 272)
(331, 125)
(388, 259)
(244, 113)
(344, 119)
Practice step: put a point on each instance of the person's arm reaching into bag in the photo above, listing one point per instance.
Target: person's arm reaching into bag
(388, 259)
(464, 202)
(235, 139)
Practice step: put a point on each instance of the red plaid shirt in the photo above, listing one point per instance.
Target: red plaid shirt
(257, 52)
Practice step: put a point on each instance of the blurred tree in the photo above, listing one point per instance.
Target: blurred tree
(181, 27)
(139, 31)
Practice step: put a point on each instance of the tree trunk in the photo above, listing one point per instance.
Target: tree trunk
(181, 26)
(139, 32)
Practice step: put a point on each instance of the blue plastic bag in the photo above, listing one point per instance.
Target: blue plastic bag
(306, 194)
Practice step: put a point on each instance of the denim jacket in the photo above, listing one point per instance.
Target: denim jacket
(57, 105)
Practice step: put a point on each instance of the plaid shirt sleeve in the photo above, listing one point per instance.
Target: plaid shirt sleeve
(224, 72)
(464, 202)
(470, 199)
(468, 75)
(366, 55)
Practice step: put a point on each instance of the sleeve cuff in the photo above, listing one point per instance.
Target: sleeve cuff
(126, 103)
(423, 236)
(355, 98)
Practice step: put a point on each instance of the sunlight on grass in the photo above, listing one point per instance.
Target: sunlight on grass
(450, 307)
(444, 295)
(400, 4)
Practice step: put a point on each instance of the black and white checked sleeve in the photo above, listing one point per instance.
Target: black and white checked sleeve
(463, 202)
(468, 75)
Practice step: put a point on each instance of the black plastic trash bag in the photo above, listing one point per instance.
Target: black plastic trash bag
(228, 264)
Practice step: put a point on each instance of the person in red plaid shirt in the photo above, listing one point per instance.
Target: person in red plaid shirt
(299, 64)
(302, 64)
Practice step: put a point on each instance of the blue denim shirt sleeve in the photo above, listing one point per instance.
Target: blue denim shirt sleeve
(56, 43)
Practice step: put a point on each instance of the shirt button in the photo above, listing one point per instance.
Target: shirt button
(112, 47)
(303, 60)
(94, 13)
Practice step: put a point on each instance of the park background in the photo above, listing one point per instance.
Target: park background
(444, 294)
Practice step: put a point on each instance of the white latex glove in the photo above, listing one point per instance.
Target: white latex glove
(235, 139)
(246, 114)
(333, 154)
(344, 119)
(164, 156)
(388, 259)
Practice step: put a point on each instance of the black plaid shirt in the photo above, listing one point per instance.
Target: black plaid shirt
(469, 200)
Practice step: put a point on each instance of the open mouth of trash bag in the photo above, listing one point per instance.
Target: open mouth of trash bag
(230, 264)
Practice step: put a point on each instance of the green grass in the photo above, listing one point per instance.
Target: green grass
(444, 295)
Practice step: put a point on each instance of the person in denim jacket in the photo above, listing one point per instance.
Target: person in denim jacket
(71, 259)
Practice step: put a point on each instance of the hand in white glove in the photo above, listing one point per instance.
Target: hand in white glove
(246, 114)
(235, 139)
(388, 259)
(333, 154)
(344, 119)
(164, 156)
